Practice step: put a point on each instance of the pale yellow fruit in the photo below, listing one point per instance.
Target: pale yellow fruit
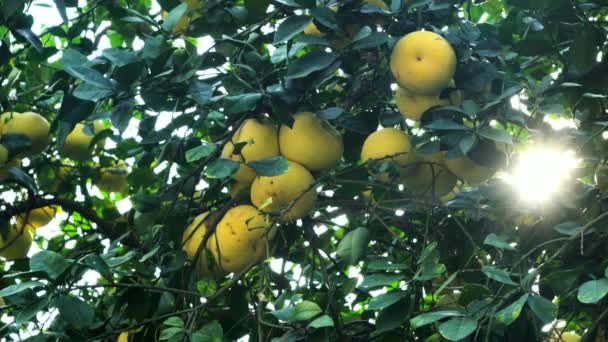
(263, 143)
(450, 195)
(378, 3)
(413, 106)
(77, 144)
(568, 336)
(431, 177)
(275, 194)
(240, 239)
(389, 144)
(32, 125)
(4, 169)
(423, 62)
(37, 218)
(466, 169)
(3, 155)
(62, 175)
(311, 142)
(2, 302)
(114, 178)
(191, 240)
(16, 243)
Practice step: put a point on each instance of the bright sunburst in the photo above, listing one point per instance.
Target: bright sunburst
(540, 172)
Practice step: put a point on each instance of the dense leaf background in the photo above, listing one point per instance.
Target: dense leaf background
(356, 270)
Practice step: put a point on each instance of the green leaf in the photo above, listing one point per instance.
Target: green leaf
(385, 300)
(200, 152)
(543, 308)
(322, 322)
(90, 76)
(241, 103)
(302, 311)
(120, 57)
(309, 63)
(31, 38)
(509, 314)
(458, 328)
(331, 113)
(372, 41)
(25, 314)
(447, 125)
(569, 228)
(498, 242)
(174, 16)
(75, 312)
(172, 333)
(221, 168)
(174, 322)
(326, 17)
(14, 289)
(584, 49)
(290, 27)
(392, 317)
(54, 264)
(91, 92)
(353, 245)
(432, 317)
(269, 167)
(122, 112)
(206, 287)
(23, 178)
(377, 280)
(495, 134)
(95, 262)
(210, 332)
(200, 92)
(593, 291)
(498, 275)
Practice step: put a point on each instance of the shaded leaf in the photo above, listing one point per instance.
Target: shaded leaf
(200, 152)
(291, 27)
(543, 308)
(221, 168)
(458, 328)
(269, 167)
(75, 312)
(309, 63)
(353, 245)
(432, 317)
(509, 314)
(54, 264)
(498, 275)
(592, 291)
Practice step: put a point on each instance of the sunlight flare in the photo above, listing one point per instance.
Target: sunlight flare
(541, 172)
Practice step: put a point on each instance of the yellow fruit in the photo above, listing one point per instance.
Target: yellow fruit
(239, 190)
(191, 240)
(601, 177)
(311, 142)
(389, 144)
(3, 155)
(37, 218)
(2, 302)
(312, 29)
(4, 169)
(77, 144)
(16, 243)
(240, 239)
(466, 169)
(32, 125)
(423, 62)
(123, 337)
(568, 336)
(378, 3)
(431, 177)
(264, 144)
(114, 178)
(450, 195)
(283, 189)
(413, 106)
